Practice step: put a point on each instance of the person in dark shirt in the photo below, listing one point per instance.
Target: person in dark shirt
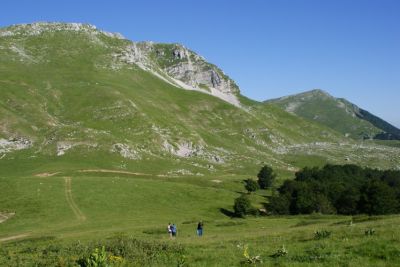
(200, 228)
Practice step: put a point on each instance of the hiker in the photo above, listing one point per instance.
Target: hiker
(200, 228)
(169, 228)
(173, 230)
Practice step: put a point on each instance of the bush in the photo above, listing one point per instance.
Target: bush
(250, 260)
(98, 258)
(266, 177)
(280, 252)
(369, 232)
(251, 185)
(321, 234)
(242, 206)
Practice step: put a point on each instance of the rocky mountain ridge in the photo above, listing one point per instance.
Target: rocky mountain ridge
(173, 63)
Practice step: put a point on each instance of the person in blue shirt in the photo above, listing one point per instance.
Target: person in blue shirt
(173, 230)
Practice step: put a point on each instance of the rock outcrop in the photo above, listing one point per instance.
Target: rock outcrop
(182, 68)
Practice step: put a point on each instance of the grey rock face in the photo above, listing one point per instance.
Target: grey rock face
(215, 79)
(181, 67)
(178, 54)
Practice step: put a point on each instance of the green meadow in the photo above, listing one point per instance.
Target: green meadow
(64, 217)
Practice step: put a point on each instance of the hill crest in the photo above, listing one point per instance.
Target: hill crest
(337, 113)
(173, 63)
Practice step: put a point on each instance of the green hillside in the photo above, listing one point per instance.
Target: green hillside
(338, 114)
(106, 140)
(72, 92)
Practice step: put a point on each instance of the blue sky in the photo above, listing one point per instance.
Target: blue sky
(350, 48)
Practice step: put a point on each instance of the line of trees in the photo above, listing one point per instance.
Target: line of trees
(341, 189)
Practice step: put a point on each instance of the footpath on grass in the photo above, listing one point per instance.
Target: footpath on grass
(13, 237)
(68, 196)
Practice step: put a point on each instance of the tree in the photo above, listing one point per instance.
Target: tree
(266, 177)
(279, 204)
(378, 198)
(242, 206)
(347, 201)
(251, 185)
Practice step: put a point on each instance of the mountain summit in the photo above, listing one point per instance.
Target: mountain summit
(338, 114)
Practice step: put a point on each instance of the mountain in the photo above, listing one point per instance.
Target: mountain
(338, 114)
(74, 97)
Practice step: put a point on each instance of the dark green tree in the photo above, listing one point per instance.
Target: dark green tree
(242, 206)
(266, 177)
(279, 204)
(251, 185)
(323, 205)
(378, 198)
(347, 201)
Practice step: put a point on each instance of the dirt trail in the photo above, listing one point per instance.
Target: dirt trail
(46, 174)
(116, 171)
(68, 195)
(5, 216)
(13, 237)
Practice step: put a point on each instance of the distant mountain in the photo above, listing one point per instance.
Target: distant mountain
(338, 114)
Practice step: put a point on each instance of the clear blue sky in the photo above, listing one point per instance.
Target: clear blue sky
(350, 48)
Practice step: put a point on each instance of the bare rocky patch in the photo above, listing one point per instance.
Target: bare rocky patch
(63, 146)
(125, 151)
(12, 144)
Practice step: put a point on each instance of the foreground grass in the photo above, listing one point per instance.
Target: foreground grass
(128, 215)
(224, 241)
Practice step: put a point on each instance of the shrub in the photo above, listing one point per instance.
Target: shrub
(242, 206)
(250, 259)
(369, 232)
(321, 234)
(251, 185)
(280, 252)
(98, 258)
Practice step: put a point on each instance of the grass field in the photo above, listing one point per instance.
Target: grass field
(53, 213)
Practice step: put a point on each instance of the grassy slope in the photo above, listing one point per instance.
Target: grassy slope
(335, 113)
(63, 88)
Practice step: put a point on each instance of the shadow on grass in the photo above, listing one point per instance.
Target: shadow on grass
(228, 213)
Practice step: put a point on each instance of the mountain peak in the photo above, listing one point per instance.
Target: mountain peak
(37, 28)
(314, 93)
(319, 92)
(337, 113)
